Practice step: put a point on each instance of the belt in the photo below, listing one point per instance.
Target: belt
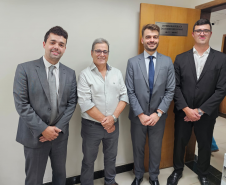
(93, 122)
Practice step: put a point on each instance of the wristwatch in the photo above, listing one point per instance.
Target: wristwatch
(115, 119)
(159, 114)
(200, 112)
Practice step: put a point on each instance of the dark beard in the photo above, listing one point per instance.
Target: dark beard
(148, 49)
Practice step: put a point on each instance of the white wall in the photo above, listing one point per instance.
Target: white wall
(22, 27)
(218, 30)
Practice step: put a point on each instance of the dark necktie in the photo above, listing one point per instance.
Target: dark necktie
(53, 93)
(151, 75)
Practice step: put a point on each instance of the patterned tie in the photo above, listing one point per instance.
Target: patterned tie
(151, 75)
(53, 93)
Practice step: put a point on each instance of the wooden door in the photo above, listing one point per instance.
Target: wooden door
(170, 46)
(222, 108)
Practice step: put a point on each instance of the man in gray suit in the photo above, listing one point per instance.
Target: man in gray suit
(45, 98)
(150, 82)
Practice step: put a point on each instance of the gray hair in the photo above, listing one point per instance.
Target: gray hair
(99, 41)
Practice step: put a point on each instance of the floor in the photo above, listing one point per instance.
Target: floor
(126, 178)
(219, 134)
(189, 177)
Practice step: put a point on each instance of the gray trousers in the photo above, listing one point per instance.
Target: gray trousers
(92, 134)
(36, 160)
(155, 135)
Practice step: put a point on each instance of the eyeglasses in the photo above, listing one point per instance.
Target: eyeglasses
(99, 52)
(202, 31)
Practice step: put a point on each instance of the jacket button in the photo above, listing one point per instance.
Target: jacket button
(49, 109)
(148, 91)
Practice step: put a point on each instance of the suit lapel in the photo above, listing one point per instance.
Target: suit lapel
(142, 65)
(191, 61)
(207, 64)
(62, 81)
(158, 65)
(41, 71)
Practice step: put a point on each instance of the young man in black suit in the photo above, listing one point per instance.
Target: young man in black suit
(200, 88)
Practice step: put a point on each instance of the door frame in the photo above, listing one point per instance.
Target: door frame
(212, 6)
(223, 43)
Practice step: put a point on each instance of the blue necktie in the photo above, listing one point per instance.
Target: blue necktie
(151, 75)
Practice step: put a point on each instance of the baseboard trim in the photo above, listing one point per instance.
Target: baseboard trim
(222, 115)
(97, 174)
(214, 174)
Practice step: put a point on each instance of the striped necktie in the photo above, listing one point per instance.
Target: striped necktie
(53, 93)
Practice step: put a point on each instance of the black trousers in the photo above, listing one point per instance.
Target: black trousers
(203, 131)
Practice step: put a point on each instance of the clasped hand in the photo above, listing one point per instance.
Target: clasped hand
(108, 124)
(148, 120)
(49, 134)
(191, 115)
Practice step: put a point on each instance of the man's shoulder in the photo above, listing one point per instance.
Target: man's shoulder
(29, 63)
(183, 57)
(218, 53)
(85, 71)
(116, 71)
(136, 58)
(185, 53)
(67, 68)
(163, 57)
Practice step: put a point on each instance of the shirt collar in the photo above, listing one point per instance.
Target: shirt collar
(206, 52)
(47, 64)
(93, 66)
(146, 54)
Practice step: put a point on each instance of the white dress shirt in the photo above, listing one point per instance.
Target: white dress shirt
(104, 94)
(147, 60)
(55, 72)
(200, 60)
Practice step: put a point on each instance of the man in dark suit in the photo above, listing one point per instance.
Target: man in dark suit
(45, 98)
(150, 82)
(200, 87)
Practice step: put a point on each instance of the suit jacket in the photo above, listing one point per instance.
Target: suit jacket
(32, 101)
(205, 93)
(138, 86)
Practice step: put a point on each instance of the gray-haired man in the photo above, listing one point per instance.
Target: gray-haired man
(102, 97)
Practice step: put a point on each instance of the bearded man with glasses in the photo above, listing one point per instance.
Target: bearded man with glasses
(102, 97)
(200, 88)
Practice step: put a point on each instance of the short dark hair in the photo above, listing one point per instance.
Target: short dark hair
(57, 30)
(150, 27)
(202, 22)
